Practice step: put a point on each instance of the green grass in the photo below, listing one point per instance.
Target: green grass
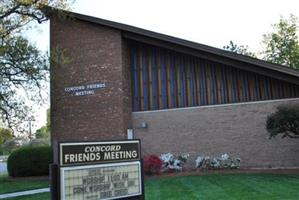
(225, 187)
(216, 187)
(7, 185)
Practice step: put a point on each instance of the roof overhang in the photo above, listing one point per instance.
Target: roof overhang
(203, 51)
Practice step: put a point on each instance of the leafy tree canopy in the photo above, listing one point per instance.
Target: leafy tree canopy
(284, 122)
(5, 134)
(42, 132)
(240, 49)
(282, 46)
(23, 68)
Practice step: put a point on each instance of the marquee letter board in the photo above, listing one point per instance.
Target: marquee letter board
(100, 170)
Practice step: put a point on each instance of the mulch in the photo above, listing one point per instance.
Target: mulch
(199, 172)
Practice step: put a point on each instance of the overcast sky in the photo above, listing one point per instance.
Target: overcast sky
(210, 22)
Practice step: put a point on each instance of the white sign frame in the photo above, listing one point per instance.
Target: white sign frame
(63, 169)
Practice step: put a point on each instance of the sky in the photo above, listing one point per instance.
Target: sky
(210, 22)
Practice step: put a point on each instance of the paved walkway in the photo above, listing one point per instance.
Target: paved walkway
(28, 192)
(3, 167)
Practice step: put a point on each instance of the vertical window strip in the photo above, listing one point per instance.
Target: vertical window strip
(234, 85)
(269, 88)
(294, 91)
(256, 87)
(168, 72)
(178, 81)
(208, 82)
(163, 79)
(277, 88)
(136, 95)
(181, 92)
(187, 79)
(228, 74)
(240, 86)
(271, 84)
(159, 81)
(248, 85)
(297, 91)
(203, 91)
(141, 78)
(145, 79)
(173, 81)
(217, 78)
(150, 77)
(262, 90)
(197, 80)
(212, 84)
(223, 85)
(245, 86)
(266, 88)
(288, 89)
(154, 79)
(192, 82)
(282, 89)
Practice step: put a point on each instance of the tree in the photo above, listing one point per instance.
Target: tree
(282, 46)
(284, 122)
(23, 68)
(44, 131)
(15, 14)
(240, 49)
(5, 134)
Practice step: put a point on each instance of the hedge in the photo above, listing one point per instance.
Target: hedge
(152, 164)
(29, 161)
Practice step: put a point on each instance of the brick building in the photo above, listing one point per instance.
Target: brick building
(177, 96)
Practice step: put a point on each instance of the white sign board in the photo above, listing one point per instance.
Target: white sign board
(105, 181)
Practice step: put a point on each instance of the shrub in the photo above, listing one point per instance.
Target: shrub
(170, 163)
(152, 164)
(284, 121)
(222, 162)
(29, 161)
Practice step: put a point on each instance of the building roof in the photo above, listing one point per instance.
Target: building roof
(215, 54)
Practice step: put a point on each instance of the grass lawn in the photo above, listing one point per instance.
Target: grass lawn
(225, 187)
(217, 187)
(7, 185)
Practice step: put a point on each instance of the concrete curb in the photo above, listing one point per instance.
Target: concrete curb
(23, 193)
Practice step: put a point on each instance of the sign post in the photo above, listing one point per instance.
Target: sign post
(100, 170)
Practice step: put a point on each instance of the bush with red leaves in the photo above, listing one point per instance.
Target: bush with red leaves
(152, 164)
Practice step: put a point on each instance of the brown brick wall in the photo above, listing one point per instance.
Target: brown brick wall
(127, 91)
(213, 130)
(99, 54)
(95, 54)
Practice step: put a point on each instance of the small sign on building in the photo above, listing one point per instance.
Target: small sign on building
(100, 170)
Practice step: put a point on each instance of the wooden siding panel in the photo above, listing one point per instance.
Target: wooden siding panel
(164, 79)
(197, 80)
(194, 81)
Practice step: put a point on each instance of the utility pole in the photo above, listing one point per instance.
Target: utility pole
(30, 131)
